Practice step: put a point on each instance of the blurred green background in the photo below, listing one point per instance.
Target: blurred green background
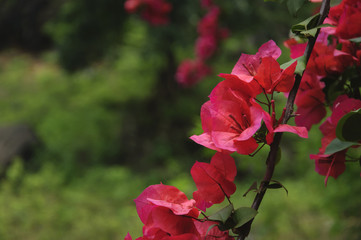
(90, 115)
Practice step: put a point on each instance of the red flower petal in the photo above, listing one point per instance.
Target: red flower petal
(212, 183)
(300, 131)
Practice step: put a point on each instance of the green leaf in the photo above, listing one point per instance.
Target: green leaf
(337, 145)
(301, 64)
(210, 228)
(223, 214)
(306, 25)
(295, 5)
(309, 33)
(274, 186)
(355, 40)
(242, 215)
(348, 127)
(312, 32)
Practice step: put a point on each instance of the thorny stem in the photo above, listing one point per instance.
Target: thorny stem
(244, 230)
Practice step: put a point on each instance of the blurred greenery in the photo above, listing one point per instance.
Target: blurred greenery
(97, 88)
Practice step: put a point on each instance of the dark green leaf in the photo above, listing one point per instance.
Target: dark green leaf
(305, 25)
(337, 145)
(295, 5)
(277, 184)
(243, 215)
(223, 214)
(274, 186)
(349, 127)
(229, 224)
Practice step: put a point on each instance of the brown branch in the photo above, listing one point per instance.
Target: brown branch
(244, 230)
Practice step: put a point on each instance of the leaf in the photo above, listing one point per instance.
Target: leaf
(337, 145)
(252, 187)
(306, 25)
(348, 127)
(312, 32)
(295, 5)
(242, 215)
(210, 228)
(309, 33)
(355, 40)
(301, 64)
(223, 214)
(276, 185)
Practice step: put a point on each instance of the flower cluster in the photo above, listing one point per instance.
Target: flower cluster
(334, 164)
(232, 119)
(209, 36)
(167, 214)
(240, 116)
(335, 53)
(154, 11)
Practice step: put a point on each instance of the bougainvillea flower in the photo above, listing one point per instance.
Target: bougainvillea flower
(154, 11)
(161, 195)
(252, 88)
(214, 180)
(310, 101)
(232, 87)
(132, 6)
(330, 165)
(190, 72)
(157, 11)
(247, 65)
(128, 237)
(164, 220)
(229, 125)
(210, 33)
(297, 50)
(325, 59)
(212, 234)
(206, 3)
(206, 46)
(272, 78)
(275, 126)
(231, 117)
(208, 25)
(354, 49)
(186, 236)
(333, 165)
(346, 17)
(165, 210)
(342, 105)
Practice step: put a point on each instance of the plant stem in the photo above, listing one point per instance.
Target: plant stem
(244, 230)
